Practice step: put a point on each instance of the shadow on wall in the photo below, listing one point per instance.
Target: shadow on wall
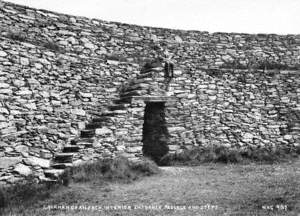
(155, 133)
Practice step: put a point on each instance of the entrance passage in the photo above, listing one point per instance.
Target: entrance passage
(155, 133)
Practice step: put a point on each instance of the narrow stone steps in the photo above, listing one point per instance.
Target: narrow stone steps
(295, 128)
(63, 157)
(117, 107)
(53, 173)
(114, 113)
(87, 133)
(100, 119)
(138, 86)
(94, 125)
(147, 74)
(47, 180)
(145, 71)
(70, 148)
(117, 111)
(84, 142)
(107, 113)
(80, 139)
(61, 165)
(121, 101)
(134, 93)
(142, 81)
(156, 68)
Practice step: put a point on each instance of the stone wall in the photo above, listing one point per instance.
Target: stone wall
(58, 72)
(191, 49)
(236, 108)
(48, 97)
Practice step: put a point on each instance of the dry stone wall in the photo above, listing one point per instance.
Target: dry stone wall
(45, 103)
(236, 108)
(57, 72)
(91, 37)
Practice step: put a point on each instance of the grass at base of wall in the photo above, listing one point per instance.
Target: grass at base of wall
(200, 154)
(119, 169)
(25, 192)
(235, 189)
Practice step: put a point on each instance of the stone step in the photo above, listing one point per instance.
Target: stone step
(100, 119)
(142, 81)
(87, 133)
(156, 67)
(114, 113)
(63, 157)
(61, 165)
(134, 93)
(80, 139)
(150, 98)
(145, 70)
(295, 129)
(109, 114)
(121, 101)
(138, 86)
(53, 173)
(117, 107)
(85, 142)
(94, 125)
(70, 148)
(146, 74)
(47, 180)
(117, 111)
(96, 113)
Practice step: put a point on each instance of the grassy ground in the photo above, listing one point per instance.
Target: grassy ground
(211, 189)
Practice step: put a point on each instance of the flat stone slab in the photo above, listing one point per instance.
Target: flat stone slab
(64, 155)
(53, 172)
(61, 165)
(71, 148)
(154, 98)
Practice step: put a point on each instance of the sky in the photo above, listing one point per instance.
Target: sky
(242, 16)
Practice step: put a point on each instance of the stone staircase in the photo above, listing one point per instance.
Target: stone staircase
(70, 152)
(149, 84)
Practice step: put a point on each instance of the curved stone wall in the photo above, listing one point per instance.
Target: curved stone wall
(57, 72)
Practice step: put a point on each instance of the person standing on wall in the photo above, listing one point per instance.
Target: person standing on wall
(166, 58)
(169, 65)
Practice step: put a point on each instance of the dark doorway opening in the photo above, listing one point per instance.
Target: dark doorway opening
(155, 132)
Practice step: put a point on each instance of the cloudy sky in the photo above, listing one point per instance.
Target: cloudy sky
(249, 16)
